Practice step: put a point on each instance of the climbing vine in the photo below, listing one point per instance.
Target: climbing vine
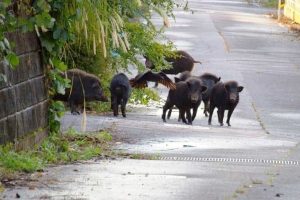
(91, 34)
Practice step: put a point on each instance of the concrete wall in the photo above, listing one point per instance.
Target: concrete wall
(23, 98)
(292, 10)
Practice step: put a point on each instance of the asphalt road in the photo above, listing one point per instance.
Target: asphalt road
(257, 158)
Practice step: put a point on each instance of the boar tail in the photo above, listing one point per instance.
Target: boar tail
(196, 61)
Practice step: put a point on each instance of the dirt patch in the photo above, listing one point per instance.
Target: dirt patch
(293, 26)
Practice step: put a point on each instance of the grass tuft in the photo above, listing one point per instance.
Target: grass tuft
(143, 96)
(70, 147)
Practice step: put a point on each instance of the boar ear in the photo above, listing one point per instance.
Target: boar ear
(176, 79)
(219, 79)
(240, 88)
(203, 88)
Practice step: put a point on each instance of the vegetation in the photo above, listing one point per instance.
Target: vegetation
(143, 96)
(270, 3)
(70, 147)
(99, 36)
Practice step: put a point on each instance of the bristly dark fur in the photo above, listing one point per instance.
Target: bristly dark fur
(186, 96)
(120, 92)
(224, 96)
(84, 87)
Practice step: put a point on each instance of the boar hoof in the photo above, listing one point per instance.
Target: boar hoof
(228, 124)
(221, 124)
(75, 113)
(124, 115)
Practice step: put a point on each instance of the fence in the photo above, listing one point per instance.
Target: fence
(23, 96)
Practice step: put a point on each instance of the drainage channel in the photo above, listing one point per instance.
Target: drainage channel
(232, 160)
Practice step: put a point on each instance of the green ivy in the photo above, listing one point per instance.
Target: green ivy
(7, 23)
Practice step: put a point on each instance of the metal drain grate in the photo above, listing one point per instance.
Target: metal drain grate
(232, 160)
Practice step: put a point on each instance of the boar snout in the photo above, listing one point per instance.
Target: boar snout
(232, 97)
(194, 98)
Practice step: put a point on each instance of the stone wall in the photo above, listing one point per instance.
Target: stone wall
(23, 98)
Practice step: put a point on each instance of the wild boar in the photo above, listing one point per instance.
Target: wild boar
(186, 96)
(207, 79)
(182, 62)
(84, 87)
(120, 92)
(224, 96)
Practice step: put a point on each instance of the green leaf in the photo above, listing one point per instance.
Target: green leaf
(12, 59)
(56, 33)
(44, 19)
(60, 88)
(6, 3)
(59, 64)
(43, 5)
(49, 45)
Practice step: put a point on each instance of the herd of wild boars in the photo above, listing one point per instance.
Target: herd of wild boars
(186, 93)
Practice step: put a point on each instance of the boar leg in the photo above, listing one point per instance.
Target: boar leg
(211, 111)
(111, 102)
(230, 111)
(195, 109)
(206, 107)
(73, 108)
(189, 117)
(181, 113)
(115, 107)
(179, 118)
(221, 115)
(219, 119)
(169, 113)
(123, 107)
(166, 107)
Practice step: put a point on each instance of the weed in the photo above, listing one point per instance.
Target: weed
(70, 147)
(99, 107)
(143, 96)
(270, 3)
(105, 136)
(21, 161)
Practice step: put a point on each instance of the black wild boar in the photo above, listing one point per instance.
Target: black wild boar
(207, 79)
(186, 96)
(184, 76)
(84, 86)
(224, 96)
(120, 92)
(182, 62)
